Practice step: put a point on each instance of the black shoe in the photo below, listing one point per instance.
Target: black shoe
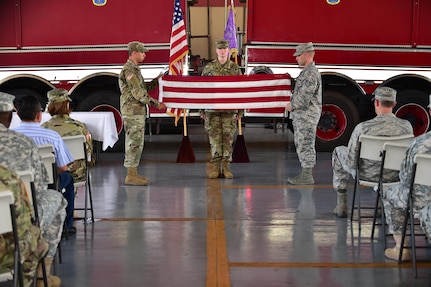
(71, 231)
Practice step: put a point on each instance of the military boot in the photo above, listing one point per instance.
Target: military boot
(133, 178)
(341, 208)
(53, 281)
(215, 171)
(225, 169)
(394, 252)
(305, 177)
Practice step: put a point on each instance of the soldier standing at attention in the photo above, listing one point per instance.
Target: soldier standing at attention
(133, 101)
(305, 108)
(221, 124)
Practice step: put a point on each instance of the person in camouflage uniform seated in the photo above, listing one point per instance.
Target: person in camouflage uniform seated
(133, 104)
(32, 246)
(221, 124)
(396, 198)
(62, 123)
(19, 153)
(305, 108)
(344, 158)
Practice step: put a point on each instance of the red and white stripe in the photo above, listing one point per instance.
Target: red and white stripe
(225, 92)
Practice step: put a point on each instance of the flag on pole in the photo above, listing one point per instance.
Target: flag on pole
(178, 51)
(230, 32)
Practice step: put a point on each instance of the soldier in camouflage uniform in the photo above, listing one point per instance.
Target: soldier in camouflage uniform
(396, 198)
(221, 124)
(133, 101)
(20, 153)
(32, 246)
(305, 108)
(62, 123)
(344, 158)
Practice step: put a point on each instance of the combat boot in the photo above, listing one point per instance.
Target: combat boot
(225, 169)
(305, 177)
(53, 281)
(394, 252)
(215, 171)
(133, 178)
(341, 208)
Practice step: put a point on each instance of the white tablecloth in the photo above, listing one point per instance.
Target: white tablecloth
(100, 124)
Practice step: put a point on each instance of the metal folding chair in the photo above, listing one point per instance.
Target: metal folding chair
(77, 147)
(370, 148)
(8, 225)
(420, 175)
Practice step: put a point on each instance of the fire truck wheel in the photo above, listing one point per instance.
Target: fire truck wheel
(261, 70)
(339, 118)
(412, 106)
(18, 93)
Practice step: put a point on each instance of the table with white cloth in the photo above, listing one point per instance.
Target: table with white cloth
(101, 125)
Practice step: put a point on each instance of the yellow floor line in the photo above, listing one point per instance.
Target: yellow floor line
(328, 264)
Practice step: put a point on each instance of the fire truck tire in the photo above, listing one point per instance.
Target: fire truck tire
(107, 98)
(339, 118)
(261, 70)
(412, 105)
(18, 93)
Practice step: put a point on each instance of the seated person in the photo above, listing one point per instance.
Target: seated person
(344, 158)
(20, 153)
(396, 198)
(62, 123)
(32, 246)
(29, 111)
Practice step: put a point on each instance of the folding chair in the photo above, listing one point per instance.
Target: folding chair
(370, 148)
(420, 175)
(393, 154)
(27, 177)
(77, 147)
(7, 225)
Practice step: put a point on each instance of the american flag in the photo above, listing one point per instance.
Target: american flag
(178, 50)
(227, 92)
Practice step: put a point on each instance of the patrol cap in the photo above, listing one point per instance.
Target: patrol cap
(136, 46)
(301, 48)
(58, 96)
(385, 94)
(6, 102)
(222, 44)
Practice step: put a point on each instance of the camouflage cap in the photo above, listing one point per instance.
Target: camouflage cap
(136, 46)
(385, 94)
(6, 102)
(58, 96)
(222, 44)
(301, 48)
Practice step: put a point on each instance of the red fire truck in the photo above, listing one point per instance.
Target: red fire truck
(360, 45)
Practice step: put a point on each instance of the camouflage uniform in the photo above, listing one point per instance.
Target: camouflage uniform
(344, 158)
(396, 198)
(32, 246)
(133, 101)
(306, 102)
(66, 126)
(221, 124)
(19, 153)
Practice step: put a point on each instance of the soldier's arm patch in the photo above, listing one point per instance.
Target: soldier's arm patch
(129, 77)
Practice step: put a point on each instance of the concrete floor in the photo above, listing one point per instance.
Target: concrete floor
(254, 230)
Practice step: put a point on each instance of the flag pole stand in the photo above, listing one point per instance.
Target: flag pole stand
(240, 149)
(186, 154)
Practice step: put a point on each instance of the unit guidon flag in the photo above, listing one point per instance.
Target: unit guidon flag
(225, 92)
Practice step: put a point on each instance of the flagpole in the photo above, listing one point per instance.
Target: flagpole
(184, 123)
